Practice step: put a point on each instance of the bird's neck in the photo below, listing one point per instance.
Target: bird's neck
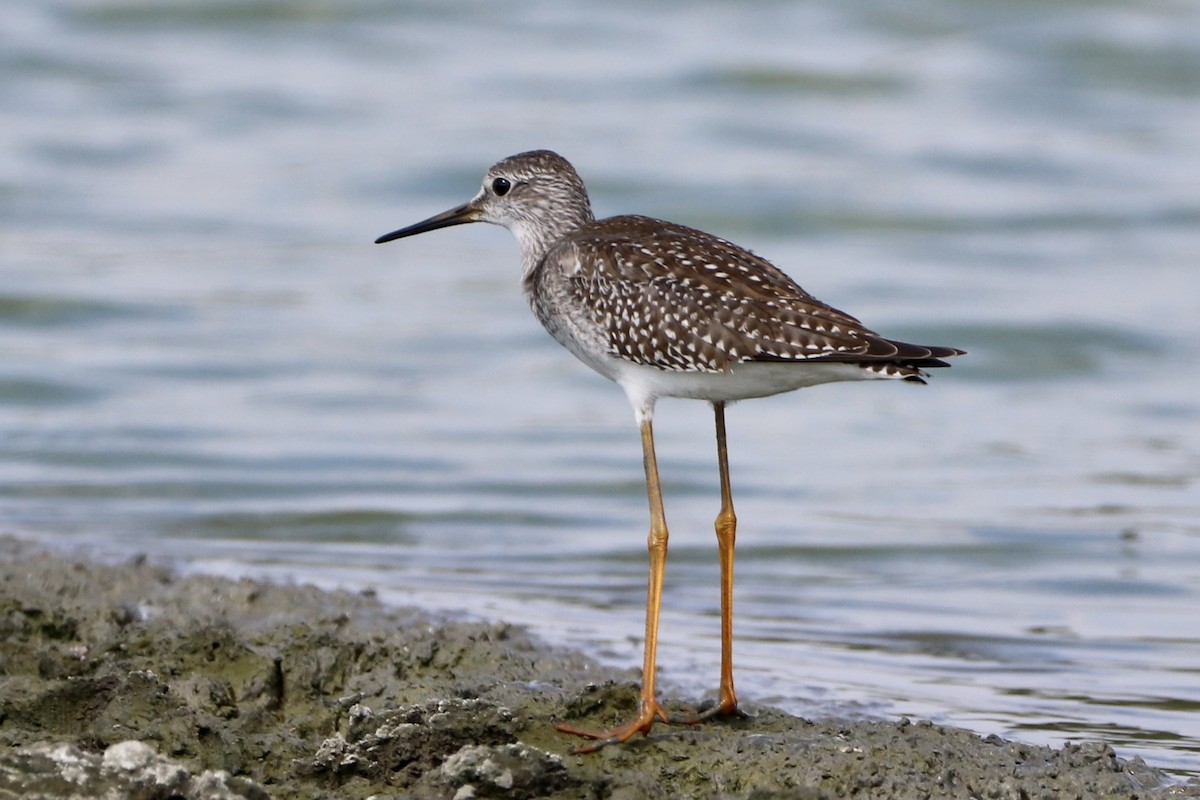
(538, 238)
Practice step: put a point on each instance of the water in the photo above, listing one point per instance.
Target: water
(205, 358)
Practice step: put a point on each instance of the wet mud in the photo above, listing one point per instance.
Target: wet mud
(127, 680)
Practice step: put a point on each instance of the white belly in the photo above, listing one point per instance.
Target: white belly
(643, 385)
(752, 379)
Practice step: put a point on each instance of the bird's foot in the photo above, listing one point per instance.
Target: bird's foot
(727, 706)
(648, 712)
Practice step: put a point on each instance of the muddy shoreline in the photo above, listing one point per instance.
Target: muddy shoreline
(126, 680)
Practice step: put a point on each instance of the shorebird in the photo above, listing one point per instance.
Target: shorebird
(670, 311)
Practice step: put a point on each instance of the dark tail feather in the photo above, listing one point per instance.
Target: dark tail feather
(910, 360)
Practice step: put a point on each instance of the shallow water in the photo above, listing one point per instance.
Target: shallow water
(205, 358)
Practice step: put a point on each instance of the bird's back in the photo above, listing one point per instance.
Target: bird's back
(663, 295)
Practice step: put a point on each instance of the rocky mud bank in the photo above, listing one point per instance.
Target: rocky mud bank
(127, 680)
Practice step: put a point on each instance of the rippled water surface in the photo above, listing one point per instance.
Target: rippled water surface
(203, 356)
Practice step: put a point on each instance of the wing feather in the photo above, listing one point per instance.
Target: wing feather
(679, 299)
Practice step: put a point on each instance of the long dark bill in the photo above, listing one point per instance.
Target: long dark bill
(455, 216)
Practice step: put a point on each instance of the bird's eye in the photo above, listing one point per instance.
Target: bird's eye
(501, 186)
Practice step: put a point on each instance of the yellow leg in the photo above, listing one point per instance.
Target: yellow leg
(648, 709)
(726, 526)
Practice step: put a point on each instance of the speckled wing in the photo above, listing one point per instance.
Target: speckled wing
(679, 299)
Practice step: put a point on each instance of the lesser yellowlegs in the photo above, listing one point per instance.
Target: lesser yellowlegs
(669, 311)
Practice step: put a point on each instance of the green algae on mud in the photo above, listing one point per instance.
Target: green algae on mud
(127, 680)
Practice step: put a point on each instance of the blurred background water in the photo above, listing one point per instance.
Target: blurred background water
(204, 358)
